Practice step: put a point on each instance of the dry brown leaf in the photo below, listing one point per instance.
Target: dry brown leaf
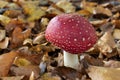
(49, 76)
(6, 61)
(115, 33)
(32, 76)
(85, 13)
(12, 78)
(98, 23)
(112, 64)
(27, 41)
(18, 36)
(116, 8)
(38, 13)
(42, 47)
(4, 43)
(106, 43)
(43, 24)
(116, 16)
(2, 34)
(53, 11)
(12, 13)
(85, 4)
(94, 8)
(33, 10)
(90, 9)
(102, 10)
(91, 60)
(107, 27)
(103, 73)
(88, 6)
(3, 3)
(25, 71)
(66, 6)
(116, 23)
(13, 23)
(39, 39)
(68, 73)
(32, 58)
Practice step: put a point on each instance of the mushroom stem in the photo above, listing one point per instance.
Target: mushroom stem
(71, 60)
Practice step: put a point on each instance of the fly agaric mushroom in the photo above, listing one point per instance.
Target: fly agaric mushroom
(72, 33)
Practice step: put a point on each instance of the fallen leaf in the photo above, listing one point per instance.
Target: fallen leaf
(102, 10)
(116, 23)
(28, 41)
(18, 36)
(91, 60)
(98, 23)
(32, 57)
(67, 73)
(2, 34)
(115, 33)
(43, 24)
(3, 3)
(6, 61)
(107, 27)
(39, 39)
(33, 11)
(106, 44)
(116, 16)
(112, 64)
(53, 12)
(4, 20)
(66, 6)
(85, 13)
(12, 13)
(13, 23)
(4, 43)
(21, 62)
(116, 8)
(85, 4)
(42, 47)
(88, 6)
(49, 76)
(103, 73)
(12, 78)
(32, 76)
(25, 71)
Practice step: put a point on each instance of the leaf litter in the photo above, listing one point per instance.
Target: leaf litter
(26, 55)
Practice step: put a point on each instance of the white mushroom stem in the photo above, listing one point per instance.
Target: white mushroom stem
(71, 60)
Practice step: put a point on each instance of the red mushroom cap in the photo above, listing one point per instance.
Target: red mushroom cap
(71, 32)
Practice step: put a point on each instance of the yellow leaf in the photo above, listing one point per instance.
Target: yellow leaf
(4, 19)
(22, 62)
(33, 11)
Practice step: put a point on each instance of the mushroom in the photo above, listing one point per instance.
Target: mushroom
(72, 33)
